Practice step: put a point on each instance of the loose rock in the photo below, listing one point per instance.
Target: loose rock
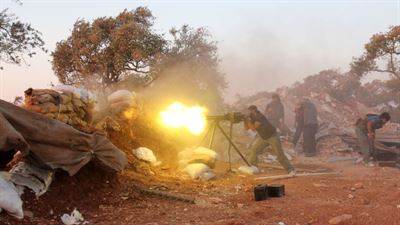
(340, 219)
(359, 186)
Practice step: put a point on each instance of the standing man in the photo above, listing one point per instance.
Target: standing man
(276, 114)
(307, 123)
(365, 131)
(299, 123)
(266, 136)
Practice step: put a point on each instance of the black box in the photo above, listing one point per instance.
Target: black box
(276, 190)
(260, 192)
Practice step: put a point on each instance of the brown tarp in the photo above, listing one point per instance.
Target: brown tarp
(54, 143)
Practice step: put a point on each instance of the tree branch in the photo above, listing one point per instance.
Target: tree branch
(386, 71)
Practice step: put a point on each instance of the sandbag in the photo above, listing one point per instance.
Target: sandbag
(145, 154)
(78, 103)
(39, 99)
(120, 95)
(49, 107)
(185, 154)
(73, 106)
(39, 92)
(250, 170)
(33, 108)
(65, 98)
(9, 199)
(121, 104)
(197, 155)
(196, 169)
(204, 159)
(78, 93)
(205, 151)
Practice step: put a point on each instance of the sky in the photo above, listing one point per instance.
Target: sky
(262, 44)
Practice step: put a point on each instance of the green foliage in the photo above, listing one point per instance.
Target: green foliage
(382, 49)
(124, 52)
(109, 50)
(382, 55)
(17, 39)
(191, 65)
(340, 86)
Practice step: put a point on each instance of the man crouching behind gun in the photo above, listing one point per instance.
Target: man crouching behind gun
(267, 135)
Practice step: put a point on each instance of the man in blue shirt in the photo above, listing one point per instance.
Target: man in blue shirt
(365, 131)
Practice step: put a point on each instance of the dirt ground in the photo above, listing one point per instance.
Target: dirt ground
(371, 195)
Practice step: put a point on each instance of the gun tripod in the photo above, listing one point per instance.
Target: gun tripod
(212, 129)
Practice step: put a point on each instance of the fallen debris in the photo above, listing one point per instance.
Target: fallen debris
(168, 195)
(341, 158)
(36, 179)
(340, 219)
(296, 175)
(75, 218)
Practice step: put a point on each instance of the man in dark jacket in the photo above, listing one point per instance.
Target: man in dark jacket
(275, 113)
(299, 123)
(307, 123)
(266, 136)
(365, 131)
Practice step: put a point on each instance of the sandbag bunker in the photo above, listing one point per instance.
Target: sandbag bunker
(46, 144)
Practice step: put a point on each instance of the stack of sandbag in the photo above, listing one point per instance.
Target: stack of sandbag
(70, 105)
(197, 162)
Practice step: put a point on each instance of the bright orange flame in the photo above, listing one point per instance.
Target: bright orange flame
(178, 115)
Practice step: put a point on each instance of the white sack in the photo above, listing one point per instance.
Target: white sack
(147, 155)
(9, 199)
(120, 95)
(75, 218)
(206, 151)
(196, 169)
(251, 170)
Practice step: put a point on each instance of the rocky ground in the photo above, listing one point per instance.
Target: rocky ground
(358, 195)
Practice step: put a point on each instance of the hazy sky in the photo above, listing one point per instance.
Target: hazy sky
(262, 44)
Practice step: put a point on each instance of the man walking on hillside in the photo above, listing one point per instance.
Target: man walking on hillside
(266, 136)
(365, 131)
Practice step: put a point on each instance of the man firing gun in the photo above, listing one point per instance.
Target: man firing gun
(267, 135)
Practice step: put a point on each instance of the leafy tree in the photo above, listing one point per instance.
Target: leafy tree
(381, 54)
(109, 50)
(338, 85)
(17, 39)
(191, 64)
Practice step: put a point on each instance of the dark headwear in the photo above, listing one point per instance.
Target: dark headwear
(276, 96)
(385, 115)
(253, 108)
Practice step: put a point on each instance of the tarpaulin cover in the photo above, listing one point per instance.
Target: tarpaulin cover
(54, 143)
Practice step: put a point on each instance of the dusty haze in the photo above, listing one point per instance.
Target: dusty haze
(262, 44)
